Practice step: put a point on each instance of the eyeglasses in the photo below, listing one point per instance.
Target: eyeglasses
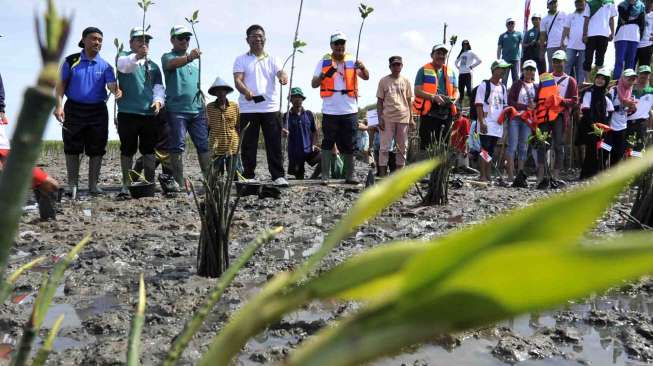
(183, 38)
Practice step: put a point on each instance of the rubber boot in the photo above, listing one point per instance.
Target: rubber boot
(327, 157)
(94, 166)
(348, 160)
(383, 171)
(204, 160)
(149, 166)
(72, 167)
(177, 167)
(125, 167)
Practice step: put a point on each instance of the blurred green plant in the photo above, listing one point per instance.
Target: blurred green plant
(7, 287)
(134, 342)
(43, 354)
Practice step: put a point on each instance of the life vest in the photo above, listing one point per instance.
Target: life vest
(351, 80)
(548, 100)
(423, 106)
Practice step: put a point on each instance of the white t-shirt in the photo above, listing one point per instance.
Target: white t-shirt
(526, 94)
(467, 61)
(338, 104)
(562, 85)
(4, 139)
(555, 35)
(644, 106)
(260, 79)
(628, 32)
(575, 22)
(497, 101)
(648, 32)
(619, 117)
(587, 101)
(600, 21)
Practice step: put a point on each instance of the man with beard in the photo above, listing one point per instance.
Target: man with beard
(85, 77)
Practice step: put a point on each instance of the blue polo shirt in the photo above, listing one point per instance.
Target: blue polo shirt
(87, 79)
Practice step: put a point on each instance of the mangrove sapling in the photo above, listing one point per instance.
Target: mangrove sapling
(438, 185)
(42, 303)
(7, 286)
(134, 345)
(119, 48)
(200, 94)
(365, 11)
(43, 354)
(296, 45)
(145, 4)
(38, 103)
(193, 325)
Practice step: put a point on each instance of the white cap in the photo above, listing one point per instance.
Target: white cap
(338, 36)
(604, 72)
(560, 55)
(529, 63)
(536, 15)
(510, 20)
(440, 47)
(629, 72)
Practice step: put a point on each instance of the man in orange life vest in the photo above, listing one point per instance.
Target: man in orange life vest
(436, 92)
(337, 76)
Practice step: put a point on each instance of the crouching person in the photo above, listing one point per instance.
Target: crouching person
(299, 125)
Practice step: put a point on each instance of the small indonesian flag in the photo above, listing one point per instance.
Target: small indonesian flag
(603, 145)
(635, 154)
(485, 156)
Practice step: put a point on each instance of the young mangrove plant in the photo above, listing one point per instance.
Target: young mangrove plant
(119, 48)
(38, 103)
(438, 185)
(193, 20)
(134, 342)
(365, 11)
(144, 5)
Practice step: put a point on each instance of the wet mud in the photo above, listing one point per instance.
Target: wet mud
(159, 237)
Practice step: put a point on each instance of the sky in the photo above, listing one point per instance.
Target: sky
(397, 27)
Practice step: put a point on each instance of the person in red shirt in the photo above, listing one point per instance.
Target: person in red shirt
(459, 136)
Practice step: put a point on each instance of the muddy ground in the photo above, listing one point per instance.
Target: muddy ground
(158, 236)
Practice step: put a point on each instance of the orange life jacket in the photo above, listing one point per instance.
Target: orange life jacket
(351, 81)
(548, 100)
(423, 106)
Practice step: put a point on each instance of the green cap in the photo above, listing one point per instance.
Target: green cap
(138, 32)
(629, 73)
(297, 91)
(180, 30)
(644, 68)
(499, 64)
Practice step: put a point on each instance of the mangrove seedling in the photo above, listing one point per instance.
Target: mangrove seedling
(133, 348)
(145, 4)
(192, 21)
(365, 11)
(119, 48)
(438, 185)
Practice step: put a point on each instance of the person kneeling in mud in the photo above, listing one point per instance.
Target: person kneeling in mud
(223, 120)
(596, 110)
(299, 126)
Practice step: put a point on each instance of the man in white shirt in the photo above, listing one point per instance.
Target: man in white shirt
(600, 31)
(576, 26)
(255, 76)
(336, 74)
(639, 121)
(551, 29)
(488, 110)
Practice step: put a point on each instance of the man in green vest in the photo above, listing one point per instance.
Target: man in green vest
(143, 97)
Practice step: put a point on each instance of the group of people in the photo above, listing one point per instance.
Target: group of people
(159, 105)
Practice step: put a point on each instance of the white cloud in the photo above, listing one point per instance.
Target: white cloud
(415, 40)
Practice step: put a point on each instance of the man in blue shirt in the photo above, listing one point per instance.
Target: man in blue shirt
(531, 44)
(302, 136)
(509, 50)
(85, 77)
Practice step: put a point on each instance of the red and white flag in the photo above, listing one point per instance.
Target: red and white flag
(603, 145)
(485, 156)
(527, 15)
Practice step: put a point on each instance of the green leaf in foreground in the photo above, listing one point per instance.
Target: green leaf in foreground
(133, 348)
(43, 354)
(7, 287)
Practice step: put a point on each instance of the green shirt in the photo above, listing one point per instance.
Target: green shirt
(510, 43)
(137, 92)
(182, 94)
(647, 90)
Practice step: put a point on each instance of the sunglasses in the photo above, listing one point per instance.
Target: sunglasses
(183, 38)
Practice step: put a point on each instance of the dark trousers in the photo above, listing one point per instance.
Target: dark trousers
(644, 55)
(637, 131)
(432, 129)
(533, 53)
(85, 129)
(339, 130)
(596, 45)
(296, 164)
(465, 86)
(136, 132)
(271, 126)
(593, 157)
(556, 132)
(616, 139)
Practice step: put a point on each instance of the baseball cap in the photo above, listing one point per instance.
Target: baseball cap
(138, 32)
(440, 47)
(529, 63)
(499, 64)
(180, 30)
(510, 20)
(551, 1)
(644, 68)
(395, 60)
(88, 31)
(536, 15)
(560, 55)
(604, 72)
(629, 72)
(338, 36)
